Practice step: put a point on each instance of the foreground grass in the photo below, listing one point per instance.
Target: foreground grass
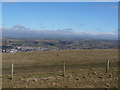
(79, 78)
(84, 69)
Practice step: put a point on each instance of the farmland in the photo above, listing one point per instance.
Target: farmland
(58, 44)
(44, 69)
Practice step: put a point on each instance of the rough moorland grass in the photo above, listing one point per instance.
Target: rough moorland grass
(31, 61)
(79, 78)
(84, 68)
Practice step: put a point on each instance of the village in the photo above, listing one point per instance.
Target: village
(27, 49)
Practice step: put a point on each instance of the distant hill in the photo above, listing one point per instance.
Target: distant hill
(62, 43)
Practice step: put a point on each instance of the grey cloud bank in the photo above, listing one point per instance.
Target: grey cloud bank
(19, 31)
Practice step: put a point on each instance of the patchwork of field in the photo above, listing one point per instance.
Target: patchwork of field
(84, 69)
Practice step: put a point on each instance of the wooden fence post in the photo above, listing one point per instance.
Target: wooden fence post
(107, 66)
(64, 68)
(12, 72)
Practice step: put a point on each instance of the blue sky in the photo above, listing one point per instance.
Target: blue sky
(60, 0)
(88, 16)
(96, 20)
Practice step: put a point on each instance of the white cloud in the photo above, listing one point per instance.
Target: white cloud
(23, 32)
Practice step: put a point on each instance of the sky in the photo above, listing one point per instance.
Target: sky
(60, 0)
(92, 17)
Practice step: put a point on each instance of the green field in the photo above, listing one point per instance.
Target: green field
(84, 69)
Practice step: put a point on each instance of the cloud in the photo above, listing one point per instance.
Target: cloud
(41, 25)
(19, 31)
(20, 27)
(82, 25)
(68, 30)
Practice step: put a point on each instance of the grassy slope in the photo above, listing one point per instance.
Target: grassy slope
(49, 64)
